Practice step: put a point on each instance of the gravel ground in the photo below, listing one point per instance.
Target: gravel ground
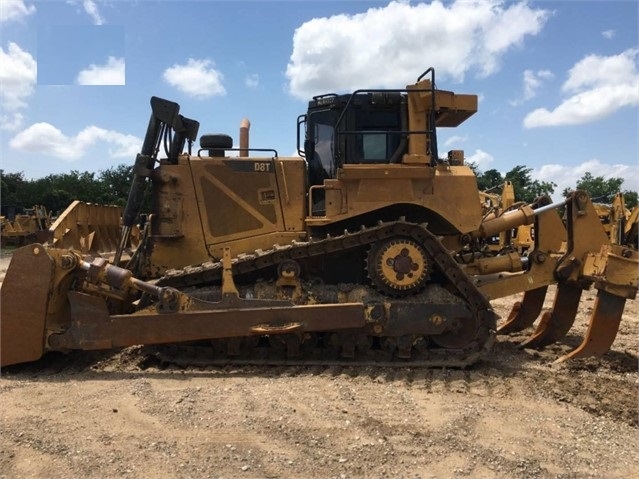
(514, 415)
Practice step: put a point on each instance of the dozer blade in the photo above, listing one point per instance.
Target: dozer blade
(24, 297)
(556, 323)
(602, 329)
(524, 313)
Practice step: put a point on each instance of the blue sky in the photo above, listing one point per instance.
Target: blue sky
(558, 82)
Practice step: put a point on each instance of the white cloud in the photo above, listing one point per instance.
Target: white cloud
(567, 176)
(11, 122)
(585, 107)
(596, 71)
(389, 46)
(599, 86)
(92, 9)
(480, 158)
(608, 34)
(111, 73)
(532, 83)
(18, 76)
(14, 10)
(198, 78)
(46, 139)
(252, 81)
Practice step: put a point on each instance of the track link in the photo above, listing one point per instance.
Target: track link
(210, 273)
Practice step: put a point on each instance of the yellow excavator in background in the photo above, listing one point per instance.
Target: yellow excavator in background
(368, 244)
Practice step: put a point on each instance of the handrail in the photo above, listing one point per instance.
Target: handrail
(432, 131)
(272, 150)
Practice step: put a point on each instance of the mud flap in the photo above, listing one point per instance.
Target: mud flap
(24, 298)
(602, 329)
(556, 323)
(524, 313)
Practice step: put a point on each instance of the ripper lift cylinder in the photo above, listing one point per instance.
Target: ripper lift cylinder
(524, 215)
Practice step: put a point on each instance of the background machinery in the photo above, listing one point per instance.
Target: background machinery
(620, 223)
(367, 244)
(28, 227)
(520, 238)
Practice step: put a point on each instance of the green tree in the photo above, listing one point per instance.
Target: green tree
(602, 190)
(55, 201)
(487, 180)
(598, 187)
(115, 184)
(57, 191)
(490, 179)
(12, 189)
(527, 189)
(73, 185)
(631, 198)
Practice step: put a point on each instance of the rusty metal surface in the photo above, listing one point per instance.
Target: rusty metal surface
(467, 292)
(423, 318)
(603, 327)
(556, 323)
(524, 313)
(91, 228)
(23, 305)
(188, 318)
(93, 328)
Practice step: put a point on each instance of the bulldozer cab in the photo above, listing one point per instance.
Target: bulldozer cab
(362, 128)
(377, 126)
(374, 128)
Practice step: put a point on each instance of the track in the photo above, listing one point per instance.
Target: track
(445, 285)
(201, 357)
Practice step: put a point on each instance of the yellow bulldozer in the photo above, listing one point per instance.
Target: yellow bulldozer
(366, 245)
(28, 227)
(620, 223)
(520, 238)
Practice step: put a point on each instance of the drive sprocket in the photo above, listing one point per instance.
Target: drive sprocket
(398, 266)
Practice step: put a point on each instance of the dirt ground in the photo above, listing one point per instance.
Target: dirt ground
(514, 415)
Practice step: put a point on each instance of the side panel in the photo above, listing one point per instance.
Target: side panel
(244, 202)
(237, 198)
(291, 178)
(176, 233)
(448, 191)
(456, 197)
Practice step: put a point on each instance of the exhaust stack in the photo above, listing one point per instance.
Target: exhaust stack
(245, 125)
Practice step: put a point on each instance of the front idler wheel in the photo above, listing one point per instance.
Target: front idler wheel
(460, 335)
